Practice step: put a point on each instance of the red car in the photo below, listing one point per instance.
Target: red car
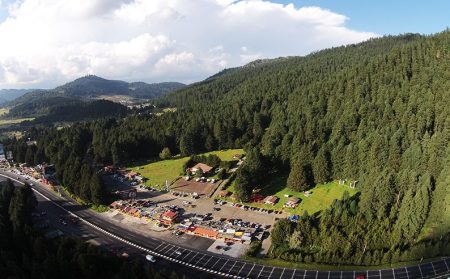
(360, 277)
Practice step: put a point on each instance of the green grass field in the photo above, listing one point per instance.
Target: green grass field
(4, 122)
(158, 172)
(322, 195)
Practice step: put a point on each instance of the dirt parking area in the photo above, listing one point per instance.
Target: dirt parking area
(192, 186)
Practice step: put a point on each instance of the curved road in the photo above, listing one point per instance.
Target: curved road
(214, 265)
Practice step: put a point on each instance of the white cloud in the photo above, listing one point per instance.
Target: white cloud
(47, 42)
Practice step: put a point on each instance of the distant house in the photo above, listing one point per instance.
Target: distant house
(134, 212)
(169, 217)
(292, 202)
(206, 232)
(271, 200)
(200, 166)
(256, 198)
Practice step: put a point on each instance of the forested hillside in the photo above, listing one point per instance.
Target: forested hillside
(375, 113)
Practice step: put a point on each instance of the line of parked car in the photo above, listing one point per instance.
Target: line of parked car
(246, 207)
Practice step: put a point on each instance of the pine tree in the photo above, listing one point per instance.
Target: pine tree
(321, 167)
(297, 179)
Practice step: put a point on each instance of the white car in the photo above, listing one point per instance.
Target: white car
(178, 253)
(150, 258)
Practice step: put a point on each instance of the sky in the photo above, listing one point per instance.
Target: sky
(45, 43)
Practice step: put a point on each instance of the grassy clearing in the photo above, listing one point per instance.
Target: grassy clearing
(322, 195)
(226, 155)
(158, 172)
(4, 122)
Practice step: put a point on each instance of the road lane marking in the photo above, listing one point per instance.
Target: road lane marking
(260, 272)
(165, 247)
(186, 255)
(216, 263)
(193, 257)
(200, 259)
(282, 272)
(393, 273)
(241, 269)
(446, 265)
(159, 245)
(271, 272)
(232, 266)
(420, 270)
(223, 265)
(250, 270)
(207, 261)
(293, 274)
(434, 270)
(407, 275)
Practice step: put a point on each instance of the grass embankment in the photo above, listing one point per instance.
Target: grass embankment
(322, 195)
(158, 172)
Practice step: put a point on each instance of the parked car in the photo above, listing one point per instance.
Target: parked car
(150, 258)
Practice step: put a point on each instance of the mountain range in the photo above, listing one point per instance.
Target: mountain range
(88, 88)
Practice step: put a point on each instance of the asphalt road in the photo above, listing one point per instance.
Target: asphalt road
(213, 266)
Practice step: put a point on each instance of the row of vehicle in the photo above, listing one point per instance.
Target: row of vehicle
(257, 209)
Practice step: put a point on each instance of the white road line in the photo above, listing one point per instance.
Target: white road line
(186, 255)
(420, 270)
(434, 270)
(293, 274)
(200, 259)
(379, 273)
(241, 269)
(164, 247)
(167, 251)
(304, 274)
(207, 261)
(224, 265)
(193, 257)
(215, 263)
(250, 270)
(232, 266)
(317, 273)
(159, 245)
(281, 276)
(270, 275)
(341, 274)
(446, 265)
(393, 273)
(260, 272)
(328, 275)
(407, 275)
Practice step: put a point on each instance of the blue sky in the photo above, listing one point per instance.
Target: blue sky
(187, 40)
(388, 16)
(378, 16)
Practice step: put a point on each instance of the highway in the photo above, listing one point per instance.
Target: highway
(203, 264)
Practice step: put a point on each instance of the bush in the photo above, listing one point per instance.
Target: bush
(253, 249)
(165, 154)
